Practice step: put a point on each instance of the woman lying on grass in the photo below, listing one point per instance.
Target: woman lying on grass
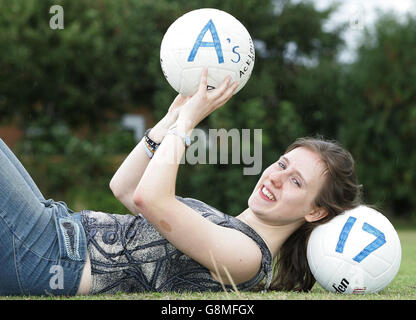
(172, 243)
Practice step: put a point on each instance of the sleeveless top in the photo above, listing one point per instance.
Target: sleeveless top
(128, 254)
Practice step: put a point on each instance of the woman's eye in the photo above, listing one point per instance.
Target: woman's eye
(296, 181)
(281, 164)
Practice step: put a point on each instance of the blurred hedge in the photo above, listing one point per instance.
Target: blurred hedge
(67, 90)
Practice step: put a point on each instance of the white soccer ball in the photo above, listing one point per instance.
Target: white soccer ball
(206, 38)
(356, 252)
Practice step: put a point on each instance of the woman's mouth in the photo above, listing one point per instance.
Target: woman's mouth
(266, 194)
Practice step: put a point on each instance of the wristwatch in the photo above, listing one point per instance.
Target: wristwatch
(174, 130)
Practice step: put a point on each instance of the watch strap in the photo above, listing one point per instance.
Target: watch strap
(185, 138)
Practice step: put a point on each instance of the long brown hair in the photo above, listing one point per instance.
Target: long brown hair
(340, 192)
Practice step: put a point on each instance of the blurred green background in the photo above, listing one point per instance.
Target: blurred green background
(63, 93)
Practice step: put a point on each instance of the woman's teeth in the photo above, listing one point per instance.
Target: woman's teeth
(267, 193)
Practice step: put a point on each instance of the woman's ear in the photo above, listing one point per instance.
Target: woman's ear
(316, 214)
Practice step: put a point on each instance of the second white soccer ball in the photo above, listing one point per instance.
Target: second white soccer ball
(356, 252)
(206, 38)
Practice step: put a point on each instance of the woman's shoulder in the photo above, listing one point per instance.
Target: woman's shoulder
(203, 208)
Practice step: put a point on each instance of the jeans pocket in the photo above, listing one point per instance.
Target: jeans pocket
(70, 236)
(70, 231)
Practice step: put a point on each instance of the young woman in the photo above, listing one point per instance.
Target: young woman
(172, 243)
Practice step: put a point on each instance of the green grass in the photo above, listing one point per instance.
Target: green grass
(403, 287)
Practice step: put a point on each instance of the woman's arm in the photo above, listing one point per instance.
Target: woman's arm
(127, 177)
(159, 179)
(187, 230)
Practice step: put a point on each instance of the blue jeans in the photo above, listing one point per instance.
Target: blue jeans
(42, 242)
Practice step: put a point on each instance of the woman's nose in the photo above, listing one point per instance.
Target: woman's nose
(276, 179)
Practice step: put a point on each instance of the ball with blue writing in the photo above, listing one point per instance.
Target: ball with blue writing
(208, 38)
(357, 252)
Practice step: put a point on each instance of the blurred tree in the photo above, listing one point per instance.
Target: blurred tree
(379, 107)
(102, 63)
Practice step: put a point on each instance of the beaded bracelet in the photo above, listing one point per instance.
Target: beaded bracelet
(149, 144)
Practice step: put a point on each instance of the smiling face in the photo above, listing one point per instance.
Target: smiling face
(287, 189)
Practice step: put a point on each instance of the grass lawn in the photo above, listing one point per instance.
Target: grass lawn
(403, 287)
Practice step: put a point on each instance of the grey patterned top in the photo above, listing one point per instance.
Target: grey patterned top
(129, 255)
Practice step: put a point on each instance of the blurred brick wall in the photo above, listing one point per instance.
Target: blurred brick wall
(10, 134)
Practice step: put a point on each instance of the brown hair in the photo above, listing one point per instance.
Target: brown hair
(340, 192)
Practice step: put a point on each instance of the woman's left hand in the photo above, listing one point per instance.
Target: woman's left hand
(204, 102)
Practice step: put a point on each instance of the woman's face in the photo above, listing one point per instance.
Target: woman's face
(287, 189)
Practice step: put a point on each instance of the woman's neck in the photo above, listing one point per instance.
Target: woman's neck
(273, 235)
